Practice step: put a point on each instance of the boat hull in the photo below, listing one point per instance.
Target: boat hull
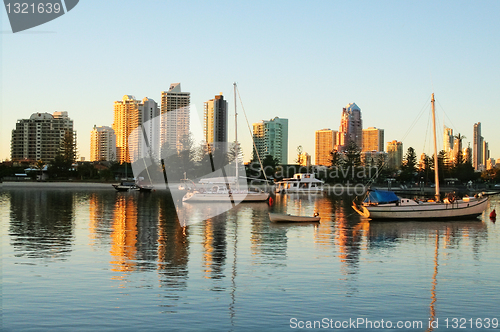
(427, 211)
(225, 197)
(278, 217)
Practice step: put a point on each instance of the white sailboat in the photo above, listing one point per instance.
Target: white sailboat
(226, 188)
(386, 205)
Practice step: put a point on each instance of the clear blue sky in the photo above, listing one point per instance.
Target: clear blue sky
(294, 59)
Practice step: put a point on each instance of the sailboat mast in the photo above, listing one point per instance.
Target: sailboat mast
(436, 173)
(236, 132)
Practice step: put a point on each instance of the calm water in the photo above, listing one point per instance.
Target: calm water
(107, 261)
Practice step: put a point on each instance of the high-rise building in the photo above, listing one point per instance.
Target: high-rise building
(102, 144)
(486, 153)
(215, 120)
(326, 139)
(129, 114)
(305, 159)
(477, 146)
(41, 137)
(395, 154)
(151, 128)
(373, 140)
(271, 138)
(175, 117)
(350, 129)
(448, 143)
(127, 117)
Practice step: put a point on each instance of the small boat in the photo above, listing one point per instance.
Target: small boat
(278, 217)
(125, 186)
(300, 183)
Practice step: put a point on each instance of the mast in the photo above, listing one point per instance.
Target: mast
(436, 173)
(236, 132)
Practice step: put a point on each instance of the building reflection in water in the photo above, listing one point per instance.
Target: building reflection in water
(41, 223)
(172, 251)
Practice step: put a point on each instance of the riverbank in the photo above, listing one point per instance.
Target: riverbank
(56, 185)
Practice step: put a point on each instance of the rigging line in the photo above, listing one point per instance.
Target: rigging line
(446, 115)
(426, 132)
(416, 120)
(250, 130)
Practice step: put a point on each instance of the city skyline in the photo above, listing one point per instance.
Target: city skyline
(402, 52)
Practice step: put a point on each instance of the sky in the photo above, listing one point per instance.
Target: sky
(299, 60)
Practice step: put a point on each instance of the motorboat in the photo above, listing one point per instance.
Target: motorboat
(300, 183)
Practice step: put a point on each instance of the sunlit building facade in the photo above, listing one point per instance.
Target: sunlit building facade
(40, 137)
(175, 117)
(215, 120)
(325, 142)
(373, 140)
(395, 154)
(102, 144)
(351, 127)
(271, 138)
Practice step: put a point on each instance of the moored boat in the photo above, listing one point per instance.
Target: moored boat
(300, 183)
(279, 217)
(386, 205)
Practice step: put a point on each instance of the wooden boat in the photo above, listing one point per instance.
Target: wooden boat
(279, 217)
(385, 205)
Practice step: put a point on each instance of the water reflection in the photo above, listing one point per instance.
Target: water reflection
(41, 223)
(138, 236)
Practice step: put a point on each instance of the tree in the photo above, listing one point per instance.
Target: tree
(408, 168)
(68, 150)
(353, 155)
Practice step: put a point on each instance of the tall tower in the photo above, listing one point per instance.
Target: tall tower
(351, 126)
(102, 144)
(215, 120)
(448, 142)
(127, 118)
(151, 128)
(477, 146)
(373, 140)
(326, 139)
(395, 154)
(271, 138)
(41, 136)
(175, 117)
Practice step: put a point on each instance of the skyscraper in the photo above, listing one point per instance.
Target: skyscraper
(448, 143)
(127, 117)
(175, 117)
(151, 125)
(351, 126)
(395, 154)
(215, 120)
(271, 138)
(41, 136)
(326, 139)
(102, 144)
(373, 140)
(477, 146)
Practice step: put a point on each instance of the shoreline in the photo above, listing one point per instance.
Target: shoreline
(56, 185)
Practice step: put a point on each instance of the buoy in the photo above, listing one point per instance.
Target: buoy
(493, 215)
(270, 201)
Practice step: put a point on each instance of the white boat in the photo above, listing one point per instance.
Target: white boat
(223, 190)
(300, 183)
(278, 217)
(226, 188)
(386, 205)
